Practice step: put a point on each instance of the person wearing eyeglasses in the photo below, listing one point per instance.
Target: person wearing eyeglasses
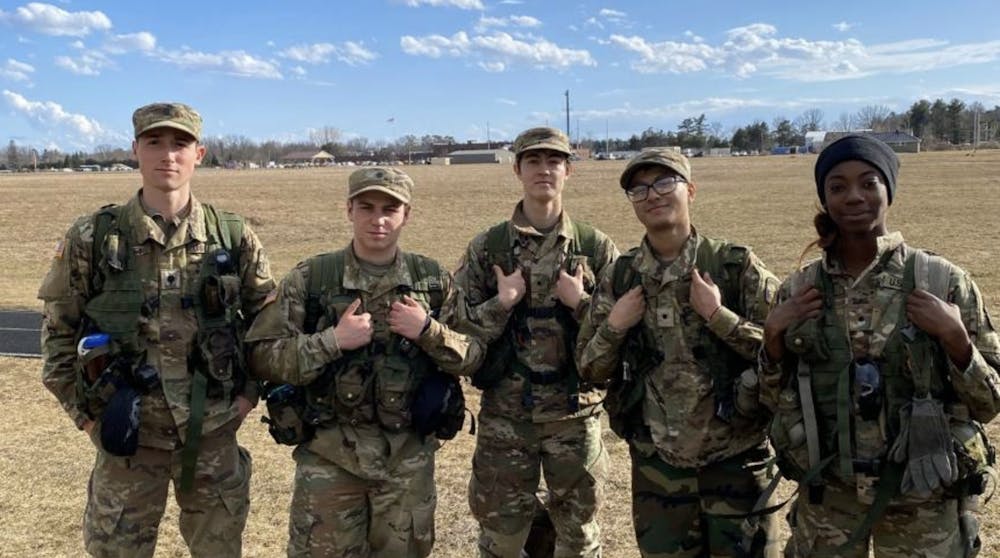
(674, 327)
(881, 364)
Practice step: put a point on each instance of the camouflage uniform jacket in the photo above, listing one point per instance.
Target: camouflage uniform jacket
(282, 352)
(860, 304)
(540, 256)
(679, 402)
(168, 332)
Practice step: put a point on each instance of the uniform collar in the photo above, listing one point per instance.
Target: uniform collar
(650, 266)
(354, 278)
(883, 244)
(520, 225)
(190, 223)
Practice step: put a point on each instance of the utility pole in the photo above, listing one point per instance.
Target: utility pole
(488, 135)
(567, 113)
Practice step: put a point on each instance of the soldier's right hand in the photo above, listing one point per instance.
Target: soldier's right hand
(353, 330)
(803, 305)
(628, 309)
(510, 288)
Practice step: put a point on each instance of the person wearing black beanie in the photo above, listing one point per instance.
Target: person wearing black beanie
(880, 365)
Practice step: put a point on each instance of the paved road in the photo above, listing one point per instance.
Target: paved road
(19, 333)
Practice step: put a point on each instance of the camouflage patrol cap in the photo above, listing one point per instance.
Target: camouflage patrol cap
(388, 180)
(542, 138)
(167, 115)
(661, 156)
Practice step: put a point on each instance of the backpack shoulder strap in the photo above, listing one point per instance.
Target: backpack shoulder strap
(226, 228)
(585, 241)
(326, 274)
(105, 220)
(624, 275)
(498, 246)
(724, 261)
(930, 272)
(426, 275)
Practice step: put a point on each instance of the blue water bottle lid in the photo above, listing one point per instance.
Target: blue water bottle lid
(95, 340)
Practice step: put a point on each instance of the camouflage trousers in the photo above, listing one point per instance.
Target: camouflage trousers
(926, 529)
(127, 496)
(509, 459)
(686, 513)
(337, 513)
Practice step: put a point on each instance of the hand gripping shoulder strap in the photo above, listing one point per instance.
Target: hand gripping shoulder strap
(326, 275)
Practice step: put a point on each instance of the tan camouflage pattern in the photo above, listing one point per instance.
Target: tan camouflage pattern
(927, 529)
(363, 456)
(869, 304)
(541, 256)
(506, 475)
(681, 512)
(514, 442)
(679, 404)
(662, 156)
(168, 337)
(388, 180)
(127, 496)
(164, 412)
(337, 513)
(542, 138)
(167, 115)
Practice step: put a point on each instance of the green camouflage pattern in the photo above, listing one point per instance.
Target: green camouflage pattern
(929, 528)
(168, 334)
(681, 512)
(510, 432)
(542, 138)
(679, 406)
(360, 453)
(337, 513)
(506, 475)
(127, 496)
(869, 306)
(167, 115)
(387, 180)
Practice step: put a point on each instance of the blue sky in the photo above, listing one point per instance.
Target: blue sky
(71, 72)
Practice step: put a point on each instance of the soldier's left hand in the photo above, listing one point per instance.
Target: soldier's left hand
(569, 288)
(407, 318)
(941, 320)
(706, 299)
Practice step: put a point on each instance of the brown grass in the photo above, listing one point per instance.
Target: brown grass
(947, 202)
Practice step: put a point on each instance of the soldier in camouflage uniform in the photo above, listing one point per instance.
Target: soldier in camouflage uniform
(141, 281)
(696, 436)
(364, 483)
(879, 369)
(527, 282)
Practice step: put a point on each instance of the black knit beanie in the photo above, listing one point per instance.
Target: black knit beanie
(857, 147)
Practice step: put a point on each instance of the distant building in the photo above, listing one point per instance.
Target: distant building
(900, 142)
(311, 158)
(718, 152)
(471, 156)
(814, 141)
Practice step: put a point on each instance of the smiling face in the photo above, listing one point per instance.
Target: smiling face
(543, 174)
(856, 198)
(377, 220)
(662, 211)
(167, 158)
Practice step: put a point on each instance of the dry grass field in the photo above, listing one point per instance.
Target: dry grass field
(947, 202)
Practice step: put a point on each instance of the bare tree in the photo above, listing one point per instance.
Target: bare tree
(12, 155)
(809, 121)
(873, 117)
(324, 135)
(844, 123)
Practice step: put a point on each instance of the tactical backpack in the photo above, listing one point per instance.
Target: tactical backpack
(435, 405)
(501, 356)
(640, 353)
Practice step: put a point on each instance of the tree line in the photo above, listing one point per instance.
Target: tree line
(940, 124)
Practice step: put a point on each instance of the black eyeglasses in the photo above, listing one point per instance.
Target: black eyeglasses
(663, 186)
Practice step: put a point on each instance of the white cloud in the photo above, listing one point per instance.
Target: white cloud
(299, 71)
(504, 101)
(52, 20)
(14, 70)
(87, 64)
(843, 26)
(234, 62)
(51, 116)
(509, 21)
(608, 13)
(349, 52)
(759, 49)
(120, 44)
(461, 4)
(78, 45)
(497, 51)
